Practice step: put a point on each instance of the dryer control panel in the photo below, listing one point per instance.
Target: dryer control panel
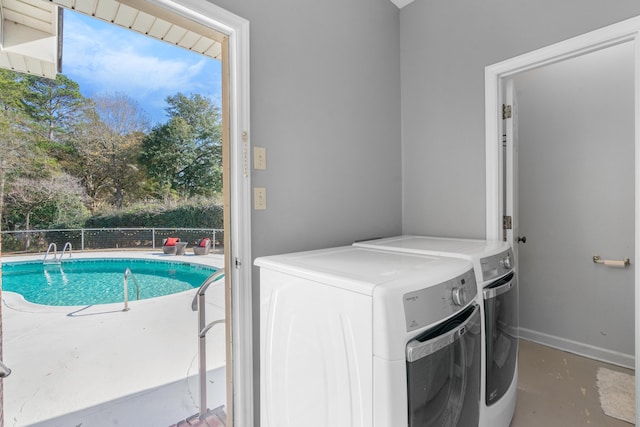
(497, 265)
(435, 303)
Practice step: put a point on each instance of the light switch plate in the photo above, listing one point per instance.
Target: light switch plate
(259, 198)
(259, 158)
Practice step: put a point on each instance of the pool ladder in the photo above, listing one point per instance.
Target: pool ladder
(55, 259)
(198, 304)
(125, 288)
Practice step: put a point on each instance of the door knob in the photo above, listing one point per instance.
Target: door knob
(522, 239)
(4, 370)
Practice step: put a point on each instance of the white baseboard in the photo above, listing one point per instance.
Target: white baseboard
(592, 352)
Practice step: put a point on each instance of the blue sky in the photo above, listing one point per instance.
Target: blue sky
(106, 59)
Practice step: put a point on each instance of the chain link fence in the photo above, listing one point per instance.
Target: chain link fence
(88, 239)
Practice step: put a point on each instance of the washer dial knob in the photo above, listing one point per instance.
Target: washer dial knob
(458, 296)
(506, 262)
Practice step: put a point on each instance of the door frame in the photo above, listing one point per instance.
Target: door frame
(496, 75)
(239, 303)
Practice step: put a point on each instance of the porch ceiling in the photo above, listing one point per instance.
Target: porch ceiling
(29, 41)
(146, 18)
(31, 30)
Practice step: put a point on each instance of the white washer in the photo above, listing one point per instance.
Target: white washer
(498, 299)
(355, 337)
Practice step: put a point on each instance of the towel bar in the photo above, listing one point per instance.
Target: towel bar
(611, 263)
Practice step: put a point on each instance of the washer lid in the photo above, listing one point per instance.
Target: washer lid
(363, 269)
(438, 246)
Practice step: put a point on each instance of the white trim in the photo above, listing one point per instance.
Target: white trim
(237, 29)
(637, 222)
(595, 40)
(493, 159)
(576, 46)
(242, 307)
(637, 219)
(628, 30)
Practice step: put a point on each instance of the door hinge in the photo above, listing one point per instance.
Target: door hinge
(507, 222)
(506, 111)
(238, 263)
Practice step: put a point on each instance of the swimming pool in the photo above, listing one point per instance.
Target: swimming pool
(99, 281)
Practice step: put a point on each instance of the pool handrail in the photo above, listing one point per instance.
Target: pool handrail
(125, 288)
(55, 251)
(66, 245)
(198, 305)
(203, 287)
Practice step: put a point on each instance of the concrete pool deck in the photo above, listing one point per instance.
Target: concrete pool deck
(99, 366)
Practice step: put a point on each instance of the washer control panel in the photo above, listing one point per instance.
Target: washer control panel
(429, 305)
(497, 265)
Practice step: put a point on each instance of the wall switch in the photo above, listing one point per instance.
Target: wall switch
(259, 198)
(259, 158)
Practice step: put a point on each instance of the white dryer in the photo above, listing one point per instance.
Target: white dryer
(498, 299)
(356, 337)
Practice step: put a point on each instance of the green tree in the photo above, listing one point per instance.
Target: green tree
(108, 144)
(14, 136)
(40, 202)
(33, 113)
(12, 90)
(55, 108)
(184, 155)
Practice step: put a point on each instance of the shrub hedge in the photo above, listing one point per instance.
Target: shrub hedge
(186, 216)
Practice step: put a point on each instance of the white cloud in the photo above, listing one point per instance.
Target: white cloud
(104, 58)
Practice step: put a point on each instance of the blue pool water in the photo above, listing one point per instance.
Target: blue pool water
(99, 281)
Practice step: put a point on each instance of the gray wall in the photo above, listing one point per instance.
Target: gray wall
(576, 199)
(325, 103)
(445, 46)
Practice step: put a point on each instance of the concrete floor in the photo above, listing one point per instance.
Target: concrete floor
(556, 388)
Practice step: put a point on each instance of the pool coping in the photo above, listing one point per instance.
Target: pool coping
(17, 302)
(213, 260)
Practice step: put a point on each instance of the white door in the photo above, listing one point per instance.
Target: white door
(510, 161)
(575, 182)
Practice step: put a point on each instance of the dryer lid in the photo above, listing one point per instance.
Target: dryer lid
(438, 246)
(363, 270)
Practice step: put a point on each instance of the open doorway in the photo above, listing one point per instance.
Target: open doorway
(235, 123)
(575, 193)
(502, 172)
